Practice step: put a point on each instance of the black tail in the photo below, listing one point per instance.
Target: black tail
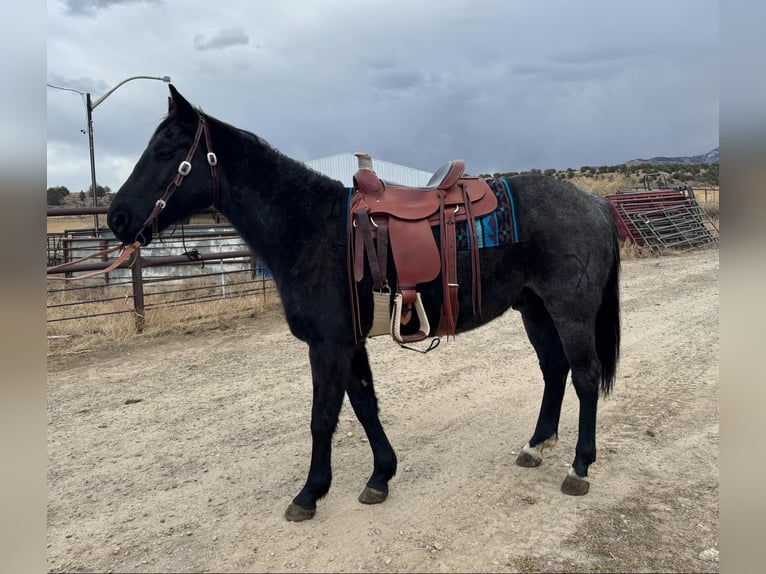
(608, 321)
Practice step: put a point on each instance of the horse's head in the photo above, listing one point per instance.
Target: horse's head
(175, 176)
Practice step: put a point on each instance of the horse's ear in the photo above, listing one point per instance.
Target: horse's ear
(178, 106)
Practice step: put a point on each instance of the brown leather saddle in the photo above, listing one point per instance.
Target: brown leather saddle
(387, 214)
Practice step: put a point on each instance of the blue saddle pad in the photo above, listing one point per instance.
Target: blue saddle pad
(497, 228)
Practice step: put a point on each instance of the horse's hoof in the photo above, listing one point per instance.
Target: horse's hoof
(527, 460)
(574, 485)
(372, 496)
(295, 513)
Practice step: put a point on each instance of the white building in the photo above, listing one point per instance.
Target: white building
(343, 166)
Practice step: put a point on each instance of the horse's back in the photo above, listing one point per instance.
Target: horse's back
(556, 212)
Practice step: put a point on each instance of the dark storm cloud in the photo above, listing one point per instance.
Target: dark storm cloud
(222, 39)
(89, 7)
(503, 85)
(400, 80)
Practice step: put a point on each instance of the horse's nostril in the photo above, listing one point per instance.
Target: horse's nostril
(118, 221)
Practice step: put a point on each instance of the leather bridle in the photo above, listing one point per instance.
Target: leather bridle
(183, 170)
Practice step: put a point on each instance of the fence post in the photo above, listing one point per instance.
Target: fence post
(263, 283)
(102, 245)
(138, 291)
(67, 253)
(253, 266)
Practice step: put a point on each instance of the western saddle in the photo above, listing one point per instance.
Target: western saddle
(383, 213)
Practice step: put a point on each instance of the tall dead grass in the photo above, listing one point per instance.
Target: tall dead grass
(62, 223)
(630, 250)
(192, 317)
(604, 184)
(114, 321)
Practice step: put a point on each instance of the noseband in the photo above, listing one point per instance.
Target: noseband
(183, 170)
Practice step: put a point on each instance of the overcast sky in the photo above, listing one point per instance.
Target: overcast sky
(505, 85)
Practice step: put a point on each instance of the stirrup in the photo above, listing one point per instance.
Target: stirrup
(396, 317)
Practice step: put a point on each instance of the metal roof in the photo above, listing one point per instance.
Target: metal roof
(343, 166)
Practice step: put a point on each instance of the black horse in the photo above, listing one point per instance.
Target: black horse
(563, 278)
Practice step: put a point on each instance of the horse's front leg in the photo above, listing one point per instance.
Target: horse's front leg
(330, 368)
(361, 394)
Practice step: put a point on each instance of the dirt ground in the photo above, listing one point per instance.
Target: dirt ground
(182, 453)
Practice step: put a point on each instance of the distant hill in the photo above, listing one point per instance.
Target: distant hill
(705, 159)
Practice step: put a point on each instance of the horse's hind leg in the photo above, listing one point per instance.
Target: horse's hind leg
(554, 366)
(361, 394)
(330, 369)
(578, 340)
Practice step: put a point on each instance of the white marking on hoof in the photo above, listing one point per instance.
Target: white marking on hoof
(536, 452)
(549, 442)
(573, 473)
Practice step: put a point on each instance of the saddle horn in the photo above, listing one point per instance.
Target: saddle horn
(364, 160)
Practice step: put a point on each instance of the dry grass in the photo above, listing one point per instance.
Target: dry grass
(62, 223)
(609, 183)
(709, 200)
(98, 329)
(206, 315)
(707, 196)
(605, 184)
(70, 334)
(713, 212)
(630, 250)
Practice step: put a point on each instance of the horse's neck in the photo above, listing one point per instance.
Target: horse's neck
(281, 207)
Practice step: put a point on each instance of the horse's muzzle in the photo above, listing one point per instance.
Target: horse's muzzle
(123, 225)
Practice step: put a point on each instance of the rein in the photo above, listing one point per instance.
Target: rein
(127, 251)
(184, 168)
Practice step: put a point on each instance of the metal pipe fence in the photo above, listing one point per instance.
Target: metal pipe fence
(663, 219)
(190, 264)
(708, 195)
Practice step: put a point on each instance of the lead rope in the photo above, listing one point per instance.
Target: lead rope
(129, 250)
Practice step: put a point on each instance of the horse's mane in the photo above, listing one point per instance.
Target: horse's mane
(266, 148)
(274, 153)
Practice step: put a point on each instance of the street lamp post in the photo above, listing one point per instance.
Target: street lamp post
(89, 107)
(89, 113)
